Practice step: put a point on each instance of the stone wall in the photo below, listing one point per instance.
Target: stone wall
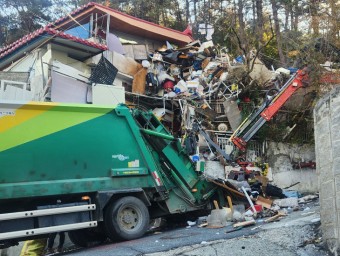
(281, 158)
(327, 147)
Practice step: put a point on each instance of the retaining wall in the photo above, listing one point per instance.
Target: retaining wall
(327, 148)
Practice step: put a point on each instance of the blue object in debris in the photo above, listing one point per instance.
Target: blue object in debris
(291, 193)
(197, 65)
(195, 158)
(239, 59)
(293, 70)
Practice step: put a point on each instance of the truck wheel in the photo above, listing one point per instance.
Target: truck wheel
(127, 218)
(86, 237)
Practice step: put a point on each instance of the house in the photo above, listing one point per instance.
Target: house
(55, 63)
(128, 29)
(26, 63)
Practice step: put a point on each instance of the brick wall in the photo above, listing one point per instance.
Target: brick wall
(327, 149)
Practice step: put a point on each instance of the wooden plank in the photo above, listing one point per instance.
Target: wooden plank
(244, 223)
(203, 225)
(230, 203)
(139, 81)
(266, 203)
(273, 218)
(139, 52)
(228, 188)
(128, 49)
(125, 65)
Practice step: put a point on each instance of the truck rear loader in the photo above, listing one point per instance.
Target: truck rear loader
(95, 171)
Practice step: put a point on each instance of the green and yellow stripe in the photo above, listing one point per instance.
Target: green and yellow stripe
(33, 120)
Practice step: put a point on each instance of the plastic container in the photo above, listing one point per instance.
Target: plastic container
(217, 218)
(195, 158)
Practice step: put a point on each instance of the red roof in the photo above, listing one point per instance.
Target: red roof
(50, 31)
(125, 23)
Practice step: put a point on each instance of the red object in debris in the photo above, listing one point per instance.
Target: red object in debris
(246, 99)
(300, 165)
(188, 31)
(258, 208)
(168, 85)
(239, 143)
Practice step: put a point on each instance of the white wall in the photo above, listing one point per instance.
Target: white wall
(281, 157)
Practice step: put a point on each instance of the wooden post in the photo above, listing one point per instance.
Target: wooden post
(230, 203)
(216, 205)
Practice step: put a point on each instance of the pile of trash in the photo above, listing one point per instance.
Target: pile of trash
(251, 195)
(200, 87)
(256, 211)
(199, 71)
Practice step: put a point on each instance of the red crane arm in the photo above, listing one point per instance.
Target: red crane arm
(282, 97)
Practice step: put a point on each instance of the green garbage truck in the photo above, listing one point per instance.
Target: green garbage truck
(97, 172)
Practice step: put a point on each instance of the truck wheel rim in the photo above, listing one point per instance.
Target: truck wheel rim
(129, 217)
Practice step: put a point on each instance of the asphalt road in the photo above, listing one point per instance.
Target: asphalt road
(296, 234)
(163, 241)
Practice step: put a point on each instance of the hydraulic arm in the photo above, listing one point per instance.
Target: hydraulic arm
(267, 110)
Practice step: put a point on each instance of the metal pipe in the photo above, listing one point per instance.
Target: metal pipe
(91, 26)
(158, 134)
(249, 200)
(107, 28)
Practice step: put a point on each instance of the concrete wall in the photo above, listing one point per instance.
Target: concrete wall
(14, 76)
(327, 147)
(281, 158)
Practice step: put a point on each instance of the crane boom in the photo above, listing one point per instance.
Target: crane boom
(267, 110)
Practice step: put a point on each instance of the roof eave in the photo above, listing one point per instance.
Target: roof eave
(41, 41)
(141, 27)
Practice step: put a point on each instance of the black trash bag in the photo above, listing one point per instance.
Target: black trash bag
(172, 57)
(274, 191)
(190, 144)
(152, 84)
(256, 186)
(151, 79)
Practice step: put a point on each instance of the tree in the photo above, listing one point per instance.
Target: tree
(187, 11)
(242, 26)
(334, 20)
(24, 16)
(295, 15)
(277, 31)
(259, 20)
(314, 6)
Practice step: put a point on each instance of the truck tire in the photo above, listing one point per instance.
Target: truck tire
(126, 219)
(86, 237)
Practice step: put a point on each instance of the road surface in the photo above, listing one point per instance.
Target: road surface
(163, 241)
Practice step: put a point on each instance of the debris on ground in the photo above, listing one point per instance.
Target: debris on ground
(252, 208)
